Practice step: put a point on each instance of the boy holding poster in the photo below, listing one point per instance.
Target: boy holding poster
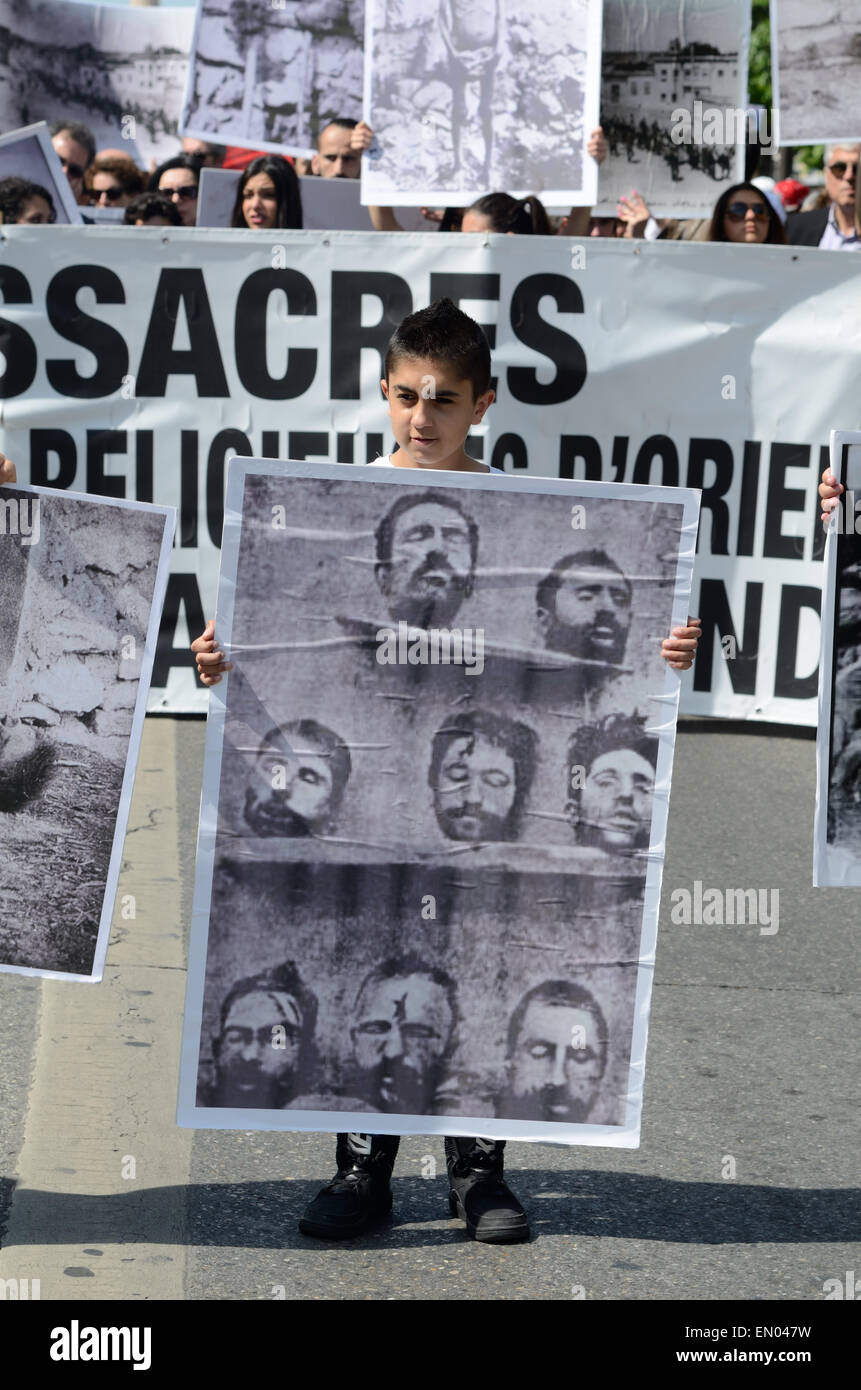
(437, 385)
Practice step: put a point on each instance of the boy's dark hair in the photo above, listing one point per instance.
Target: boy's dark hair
(148, 205)
(443, 333)
(507, 214)
(285, 183)
(79, 132)
(15, 192)
(342, 122)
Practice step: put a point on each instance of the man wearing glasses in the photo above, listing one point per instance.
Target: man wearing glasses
(75, 145)
(832, 228)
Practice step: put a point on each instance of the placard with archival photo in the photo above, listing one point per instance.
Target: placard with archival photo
(271, 76)
(82, 584)
(665, 64)
(466, 96)
(465, 735)
(28, 154)
(837, 833)
(118, 69)
(815, 65)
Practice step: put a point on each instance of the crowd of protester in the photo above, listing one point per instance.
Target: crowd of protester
(756, 211)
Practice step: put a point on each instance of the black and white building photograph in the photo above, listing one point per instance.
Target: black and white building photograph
(815, 66)
(108, 66)
(837, 838)
(465, 98)
(272, 76)
(82, 583)
(442, 730)
(674, 75)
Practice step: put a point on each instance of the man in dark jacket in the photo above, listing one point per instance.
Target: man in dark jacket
(833, 227)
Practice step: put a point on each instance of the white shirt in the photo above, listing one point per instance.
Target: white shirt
(385, 461)
(833, 239)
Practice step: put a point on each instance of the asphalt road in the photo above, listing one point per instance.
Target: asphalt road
(746, 1184)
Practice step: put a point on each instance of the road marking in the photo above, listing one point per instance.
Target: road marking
(103, 1097)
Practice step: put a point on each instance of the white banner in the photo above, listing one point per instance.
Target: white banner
(137, 362)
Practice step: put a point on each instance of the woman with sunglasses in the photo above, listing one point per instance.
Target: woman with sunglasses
(178, 179)
(268, 195)
(743, 214)
(113, 181)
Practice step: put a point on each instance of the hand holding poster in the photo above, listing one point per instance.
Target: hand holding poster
(435, 800)
(837, 838)
(82, 582)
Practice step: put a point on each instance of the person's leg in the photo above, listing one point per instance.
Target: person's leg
(479, 1195)
(359, 1195)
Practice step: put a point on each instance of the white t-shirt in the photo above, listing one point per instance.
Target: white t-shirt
(385, 461)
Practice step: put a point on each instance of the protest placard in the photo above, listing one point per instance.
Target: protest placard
(435, 798)
(82, 582)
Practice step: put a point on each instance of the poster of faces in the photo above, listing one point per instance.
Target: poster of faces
(271, 74)
(82, 583)
(837, 835)
(470, 96)
(435, 795)
(674, 74)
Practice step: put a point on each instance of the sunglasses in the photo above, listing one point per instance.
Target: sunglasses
(188, 190)
(840, 166)
(738, 211)
(73, 171)
(112, 194)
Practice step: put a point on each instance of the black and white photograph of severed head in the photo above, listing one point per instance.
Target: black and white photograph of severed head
(273, 76)
(524, 1017)
(467, 96)
(82, 582)
(816, 63)
(673, 102)
(410, 666)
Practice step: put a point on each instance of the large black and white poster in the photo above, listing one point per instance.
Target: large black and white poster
(271, 74)
(434, 806)
(82, 583)
(673, 102)
(815, 66)
(837, 834)
(468, 96)
(120, 71)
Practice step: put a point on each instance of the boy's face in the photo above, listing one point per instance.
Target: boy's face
(432, 411)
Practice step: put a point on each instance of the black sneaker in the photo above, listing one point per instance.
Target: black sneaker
(479, 1195)
(359, 1195)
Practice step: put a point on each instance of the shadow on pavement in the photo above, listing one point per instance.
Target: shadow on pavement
(626, 1206)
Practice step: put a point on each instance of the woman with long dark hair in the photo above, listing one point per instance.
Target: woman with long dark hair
(744, 215)
(268, 195)
(499, 212)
